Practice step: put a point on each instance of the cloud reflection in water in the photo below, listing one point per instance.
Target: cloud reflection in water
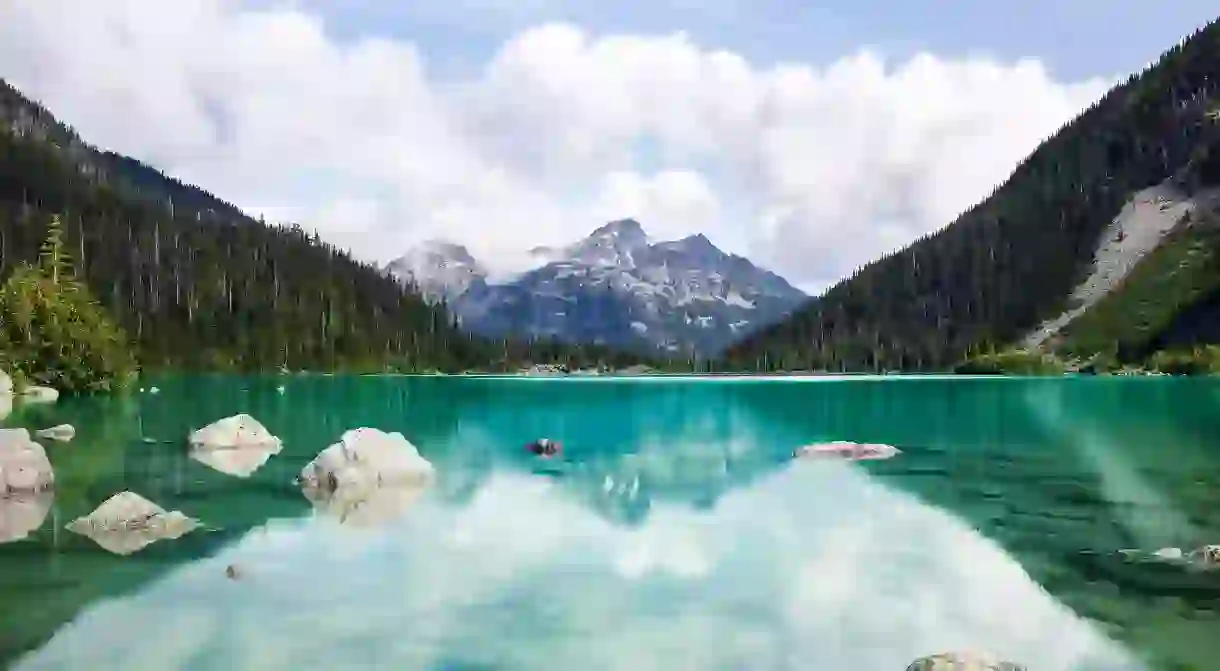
(813, 566)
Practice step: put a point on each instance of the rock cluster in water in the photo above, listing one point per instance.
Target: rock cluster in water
(366, 477)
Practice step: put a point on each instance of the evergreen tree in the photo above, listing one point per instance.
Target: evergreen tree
(54, 333)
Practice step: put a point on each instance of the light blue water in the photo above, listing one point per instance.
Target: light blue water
(677, 533)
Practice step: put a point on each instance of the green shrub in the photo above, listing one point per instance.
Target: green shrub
(1199, 361)
(1011, 362)
(52, 331)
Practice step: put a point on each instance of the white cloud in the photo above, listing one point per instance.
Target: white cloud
(826, 167)
(674, 203)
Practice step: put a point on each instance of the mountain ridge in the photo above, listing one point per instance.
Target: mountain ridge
(614, 286)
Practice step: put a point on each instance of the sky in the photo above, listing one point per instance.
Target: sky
(810, 137)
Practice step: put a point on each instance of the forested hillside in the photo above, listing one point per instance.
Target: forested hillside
(1011, 261)
(198, 284)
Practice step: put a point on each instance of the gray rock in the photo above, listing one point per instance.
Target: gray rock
(365, 457)
(234, 432)
(62, 433)
(35, 394)
(127, 522)
(847, 451)
(24, 467)
(962, 661)
(367, 478)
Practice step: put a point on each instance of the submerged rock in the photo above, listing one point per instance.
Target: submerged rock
(367, 456)
(236, 431)
(22, 512)
(847, 451)
(240, 462)
(367, 478)
(36, 394)
(127, 522)
(62, 433)
(1206, 557)
(962, 661)
(24, 467)
(1168, 553)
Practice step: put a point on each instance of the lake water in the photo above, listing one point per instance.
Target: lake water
(677, 533)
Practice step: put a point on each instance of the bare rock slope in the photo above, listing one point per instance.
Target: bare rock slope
(1137, 230)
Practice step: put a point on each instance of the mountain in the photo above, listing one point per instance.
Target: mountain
(614, 287)
(196, 283)
(1117, 199)
(442, 271)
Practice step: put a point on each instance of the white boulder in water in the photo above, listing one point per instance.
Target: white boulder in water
(24, 466)
(62, 433)
(365, 457)
(127, 522)
(35, 394)
(22, 512)
(240, 462)
(962, 661)
(236, 431)
(1168, 553)
(847, 451)
(6, 384)
(6, 406)
(367, 478)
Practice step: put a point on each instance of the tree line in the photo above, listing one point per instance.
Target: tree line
(193, 283)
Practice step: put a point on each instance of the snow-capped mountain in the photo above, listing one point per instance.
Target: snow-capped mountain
(441, 270)
(613, 287)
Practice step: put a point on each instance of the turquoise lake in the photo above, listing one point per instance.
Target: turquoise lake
(677, 532)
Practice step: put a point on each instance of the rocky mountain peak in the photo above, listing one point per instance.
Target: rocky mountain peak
(613, 287)
(443, 270)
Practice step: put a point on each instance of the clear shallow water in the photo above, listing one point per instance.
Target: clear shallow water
(676, 535)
